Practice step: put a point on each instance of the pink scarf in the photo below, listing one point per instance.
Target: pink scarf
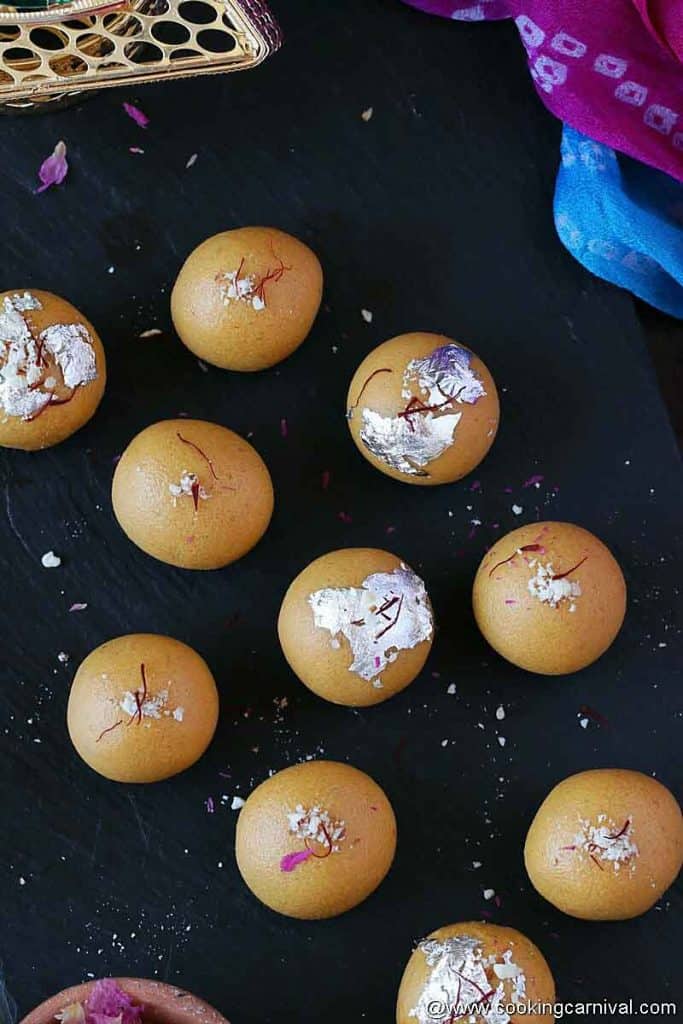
(609, 68)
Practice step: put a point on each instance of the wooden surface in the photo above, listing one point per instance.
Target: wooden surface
(435, 214)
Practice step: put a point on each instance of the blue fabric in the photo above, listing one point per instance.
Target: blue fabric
(622, 219)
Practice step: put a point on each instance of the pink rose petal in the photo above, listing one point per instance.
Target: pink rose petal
(136, 115)
(537, 478)
(109, 1004)
(78, 607)
(54, 169)
(284, 428)
(292, 860)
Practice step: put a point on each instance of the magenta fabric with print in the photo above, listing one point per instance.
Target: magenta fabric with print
(610, 68)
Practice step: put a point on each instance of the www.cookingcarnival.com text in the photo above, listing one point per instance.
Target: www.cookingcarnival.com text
(444, 1013)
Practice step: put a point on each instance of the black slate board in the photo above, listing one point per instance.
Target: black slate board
(436, 214)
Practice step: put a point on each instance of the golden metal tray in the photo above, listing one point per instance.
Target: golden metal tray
(50, 54)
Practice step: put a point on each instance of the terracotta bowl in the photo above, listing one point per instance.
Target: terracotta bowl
(164, 1004)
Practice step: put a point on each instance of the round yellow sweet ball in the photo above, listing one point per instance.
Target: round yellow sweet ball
(315, 840)
(246, 299)
(142, 708)
(192, 494)
(423, 409)
(605, 844)
(549, 597)
(356, 626)
(52, 369)
(472, 963)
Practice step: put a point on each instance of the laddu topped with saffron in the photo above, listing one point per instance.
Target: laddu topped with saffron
(142, 708)
(192, 494)
(605, 844)
(246, 299)
(549, 597)
(316, 839)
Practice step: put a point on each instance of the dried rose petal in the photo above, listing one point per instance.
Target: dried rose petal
(292, 860)
(136, 114)
(109, 1004)
(54, 169)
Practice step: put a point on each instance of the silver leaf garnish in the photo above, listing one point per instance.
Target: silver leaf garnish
(459, 979)
(390, 612)
(24, 390)
(445, 373)
(423, 431)
(408, 446)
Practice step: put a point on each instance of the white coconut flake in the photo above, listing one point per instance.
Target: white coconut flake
(154, 706)
(50, 560)
(237, 803)
(390, 612)
(547, 588)
(186, 487)
(241, 289)
(315, 823)
(608, 841)
(367, 315)
(132, 705)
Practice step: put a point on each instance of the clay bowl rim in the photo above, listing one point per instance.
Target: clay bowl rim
(164, 1003)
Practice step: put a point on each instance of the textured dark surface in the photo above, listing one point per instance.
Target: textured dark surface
(436, 214)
